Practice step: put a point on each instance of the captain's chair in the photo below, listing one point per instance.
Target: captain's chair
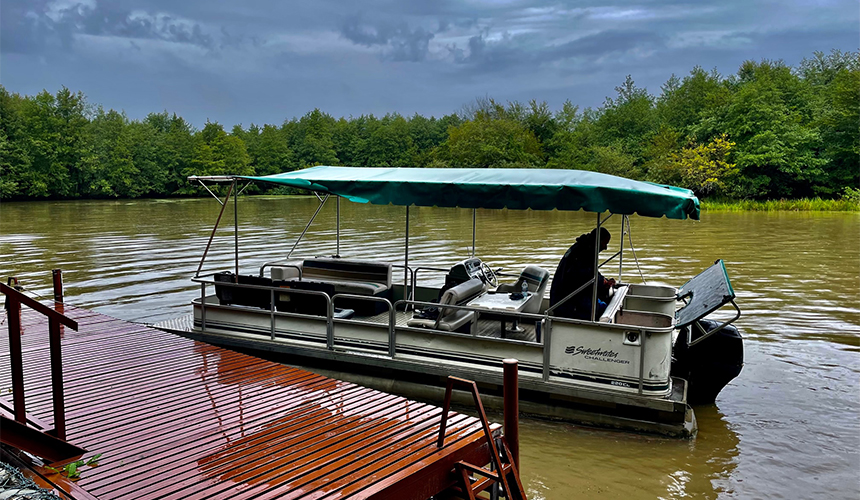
(449, 319)
(536, 278)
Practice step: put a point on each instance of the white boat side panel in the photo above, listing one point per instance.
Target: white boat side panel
(608, 356)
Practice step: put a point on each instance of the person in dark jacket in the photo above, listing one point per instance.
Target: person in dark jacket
(574, 270)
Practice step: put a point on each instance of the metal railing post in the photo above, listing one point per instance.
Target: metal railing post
(272, 311)
(596, 272)
(406, 253)
(203, 307)
(547, 345)
(236, 226)
(511, 403)
(329, 324)
(392, 332)
(641, 362)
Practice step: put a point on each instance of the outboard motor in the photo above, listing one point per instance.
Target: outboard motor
(710, 364)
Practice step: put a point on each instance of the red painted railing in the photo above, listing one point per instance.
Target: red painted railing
(14, 300)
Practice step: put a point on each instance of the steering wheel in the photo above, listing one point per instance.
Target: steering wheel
(489, 276)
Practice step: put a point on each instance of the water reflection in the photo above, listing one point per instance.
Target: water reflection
(589, 463)
(308, 434)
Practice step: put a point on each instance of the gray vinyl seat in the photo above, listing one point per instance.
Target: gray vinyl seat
(537, 279)
(450, 319)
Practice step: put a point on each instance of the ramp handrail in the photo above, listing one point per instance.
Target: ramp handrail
(500, 471)
(14, 300)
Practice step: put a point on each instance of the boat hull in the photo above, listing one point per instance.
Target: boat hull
(424, 360)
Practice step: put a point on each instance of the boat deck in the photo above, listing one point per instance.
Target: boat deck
(176, 418)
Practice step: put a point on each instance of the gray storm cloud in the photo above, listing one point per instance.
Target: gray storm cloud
(266, 61)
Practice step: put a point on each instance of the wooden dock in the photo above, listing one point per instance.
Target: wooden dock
(175, 418)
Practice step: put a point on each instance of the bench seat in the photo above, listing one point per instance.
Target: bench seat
(334, 276)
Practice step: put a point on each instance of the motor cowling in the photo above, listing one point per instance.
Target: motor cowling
(709, 365)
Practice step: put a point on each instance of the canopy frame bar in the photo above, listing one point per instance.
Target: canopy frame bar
(236, 226)
(474, 228)
(314, 216)
(596, 267)
(406, 259)
(214, 229)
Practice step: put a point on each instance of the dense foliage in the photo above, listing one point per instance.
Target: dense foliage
(769, 131)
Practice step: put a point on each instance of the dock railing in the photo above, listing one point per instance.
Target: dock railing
(14, 300)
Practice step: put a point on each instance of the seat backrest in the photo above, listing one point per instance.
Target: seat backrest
(537, 279)
(459, 295)
(287, 271)
(347, 270)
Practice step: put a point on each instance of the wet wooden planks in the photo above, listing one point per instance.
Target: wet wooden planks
(176, 418)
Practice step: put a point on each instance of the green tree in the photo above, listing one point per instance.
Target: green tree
(112, 172)
(835, 82)
(173, 149)
(217, 153)
(770, 119)
(491, 142)
(704, 168)
(54, 127)
(572, 144)
(628, 121)
(312, 139)
(390, 144)
(684, 103)
(272, 154)
(14, 146)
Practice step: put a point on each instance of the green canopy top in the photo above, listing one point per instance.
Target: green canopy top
(513, 188)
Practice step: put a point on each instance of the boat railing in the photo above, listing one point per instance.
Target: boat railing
(272, 312)
(423, 268)
(544, 319)
(330, 300)
(392, 321)
(408, 280)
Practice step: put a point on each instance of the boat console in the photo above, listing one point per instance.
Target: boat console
(464, 271)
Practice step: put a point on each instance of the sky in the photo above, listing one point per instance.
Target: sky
(266, 61)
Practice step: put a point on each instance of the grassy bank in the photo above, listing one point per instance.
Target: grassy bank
(799, 205)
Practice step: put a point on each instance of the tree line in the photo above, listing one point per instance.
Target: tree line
(769, 131)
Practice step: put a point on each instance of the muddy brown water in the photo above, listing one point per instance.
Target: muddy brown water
(788, 427)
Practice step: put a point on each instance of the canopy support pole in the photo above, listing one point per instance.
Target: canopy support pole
(474, 228)
(236, 228)
(337, 253)
(212, 236)
(621, 249)
(596, 273)
(314, 216)
(406, 258)
(633, 249)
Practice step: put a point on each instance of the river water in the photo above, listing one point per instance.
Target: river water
(788, 427)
